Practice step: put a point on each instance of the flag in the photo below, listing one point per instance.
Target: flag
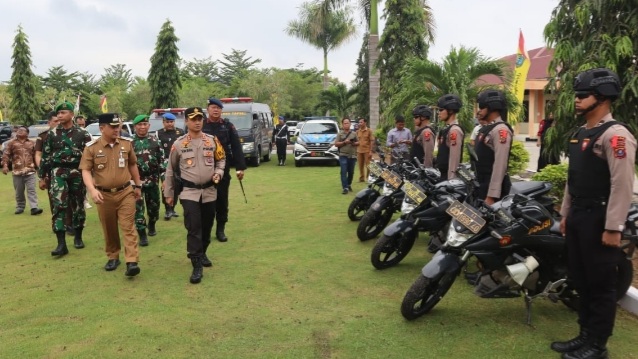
(76, 109)
(104, 106)
(1, 118)
(520, 72)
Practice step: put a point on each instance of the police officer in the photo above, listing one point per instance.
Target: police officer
(199, 160)
(281, 138)
(492, 147)
(166, 137)
(108, 166)
(61, 154)
(450, 140)
(423, 140)
(149, 165)
(597, 197)
(225, 132)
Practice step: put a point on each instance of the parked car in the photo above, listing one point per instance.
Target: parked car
(315, 142)
(298, 128)
(292, 127)
(5, 133)
(155, 118)
(94, 130)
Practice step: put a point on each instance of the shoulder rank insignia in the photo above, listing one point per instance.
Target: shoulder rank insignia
(502, 135)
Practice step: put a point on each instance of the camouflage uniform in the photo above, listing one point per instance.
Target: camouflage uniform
(149, 163)
(166, 139)
(61, 153)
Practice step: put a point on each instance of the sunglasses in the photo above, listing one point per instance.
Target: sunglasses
(582, 95)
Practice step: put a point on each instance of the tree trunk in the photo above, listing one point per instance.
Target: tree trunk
(373, 73)
(325, 69)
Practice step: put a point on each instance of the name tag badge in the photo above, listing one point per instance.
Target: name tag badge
(121, 162)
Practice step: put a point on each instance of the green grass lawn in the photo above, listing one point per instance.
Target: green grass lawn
(293, 281)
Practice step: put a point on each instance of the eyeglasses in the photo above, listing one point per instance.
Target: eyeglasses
(582, 95)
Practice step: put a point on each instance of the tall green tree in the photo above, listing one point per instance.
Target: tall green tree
(424, 81)
(337, 99)
(587, 34)
(60, 79)
(235, 65)
(326, 32)
(163, 76)
(117, 76)
(24, 105)
(201, 68)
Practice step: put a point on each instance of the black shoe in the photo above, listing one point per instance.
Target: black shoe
(132, 269)
(167, 216)
(590, 350)
(572, 344)
(36, 211)
(350, 188)
(174, 214)
(198, 270)
(70, 231)
(205, 261)
(19, 211)
(345, 191)
(221, 236)
(143, 239)
(112, 264)
(61, 249)
(77, 241)
(151, 228)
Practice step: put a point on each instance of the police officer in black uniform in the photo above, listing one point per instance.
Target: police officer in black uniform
(166, 137)
(492, 147)
(450, 139)
(226, 133)
(281, 138)
(423, 140)
(597, 198)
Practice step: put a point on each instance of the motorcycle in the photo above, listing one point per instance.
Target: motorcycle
(520, 251)
(364, 199)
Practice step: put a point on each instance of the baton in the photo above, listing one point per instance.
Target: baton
(242, 191)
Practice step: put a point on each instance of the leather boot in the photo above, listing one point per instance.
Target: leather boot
(595, 348)
(143, 238)
(198, 270)
(572, 344)
(77, 241)
(151, 228)
(221, 236)
(61, 249)
(206, 262)
(169, 213)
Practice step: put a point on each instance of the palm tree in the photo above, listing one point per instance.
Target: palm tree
(369, 9)
(325, 32)
(337, 98)
(425, 81)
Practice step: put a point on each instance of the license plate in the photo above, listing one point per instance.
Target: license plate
(464, 175)
(467, 216)
(316, 154)
(375, 169)
(414, 192)
(391, 178)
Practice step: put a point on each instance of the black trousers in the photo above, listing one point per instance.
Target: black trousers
(281, 149)
(198, 220)
(592, 268)
(221, 207)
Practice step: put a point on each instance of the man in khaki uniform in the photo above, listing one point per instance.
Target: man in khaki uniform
(197, 160)
(450, 138)
(423, 140)
(108, 165)
(364, 150)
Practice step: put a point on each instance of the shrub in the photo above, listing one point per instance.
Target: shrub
(519, 157)
(557, 176)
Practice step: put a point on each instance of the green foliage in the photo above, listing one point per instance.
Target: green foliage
(519, 158)
(24, 106)
(204, 68)
(361, 83)
(337, 99)
(588, 34)
(117, 76)
(557, 176)
(196, 90)
(235, 66)
(163, 76)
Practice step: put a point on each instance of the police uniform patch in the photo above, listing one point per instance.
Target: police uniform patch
(502, 134)
(618, 145)
(583, 146)
(452, 138)
(427, 135)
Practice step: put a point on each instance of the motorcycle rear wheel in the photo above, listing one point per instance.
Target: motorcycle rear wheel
(357, 209)
(373, 222)
(390, 251)
(424, 294)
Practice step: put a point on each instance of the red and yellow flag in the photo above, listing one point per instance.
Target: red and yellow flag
(104, 106)
(520, 71)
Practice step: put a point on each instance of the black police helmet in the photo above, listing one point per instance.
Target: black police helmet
(601, 81)
(422, 111)
(494, 100)
(449, 102)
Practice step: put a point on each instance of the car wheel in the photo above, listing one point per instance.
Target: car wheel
(298, 163)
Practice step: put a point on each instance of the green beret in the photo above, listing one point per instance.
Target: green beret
(140, 118)
(66, 105)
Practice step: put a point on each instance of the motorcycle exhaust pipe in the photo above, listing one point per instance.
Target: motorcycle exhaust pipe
(520, 271)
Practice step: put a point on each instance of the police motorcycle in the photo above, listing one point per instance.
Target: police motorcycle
(366, 197)
(424, 210)
(381, 211)
(520, 251)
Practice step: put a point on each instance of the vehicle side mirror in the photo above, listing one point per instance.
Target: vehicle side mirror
(255, 117)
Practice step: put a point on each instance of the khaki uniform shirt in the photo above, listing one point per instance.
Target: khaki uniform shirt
(455, 143)
(21, 154)
(366, 139)
(427, 139)
(109, 163)
(621, 168)
(501, 146)
(197, 159)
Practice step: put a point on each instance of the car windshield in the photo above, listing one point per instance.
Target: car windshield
(291, 123)
(241, 120)
(93, 129)
(319, 128)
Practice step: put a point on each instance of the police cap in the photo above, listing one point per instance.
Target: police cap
(112, 119)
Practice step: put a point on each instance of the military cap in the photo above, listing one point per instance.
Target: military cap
(66, 105)
(169, 116)
(215, 101)
(193, 112)
(282, 118)
(140, 118)
(112, 119)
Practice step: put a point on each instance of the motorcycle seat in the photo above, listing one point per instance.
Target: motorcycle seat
(555, 228)
(529, 187)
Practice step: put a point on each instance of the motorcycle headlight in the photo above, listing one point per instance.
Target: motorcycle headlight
(387, 190)
(371, 178)
(407, 206)
(455, 239)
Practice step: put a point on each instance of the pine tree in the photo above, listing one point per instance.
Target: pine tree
(24, 105)
(163, 77)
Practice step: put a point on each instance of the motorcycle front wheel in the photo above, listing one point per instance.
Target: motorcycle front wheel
(374, 221)
(390, 250)
(425, 293)
(357, 208)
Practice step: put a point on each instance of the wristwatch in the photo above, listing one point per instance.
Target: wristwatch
(137, 186)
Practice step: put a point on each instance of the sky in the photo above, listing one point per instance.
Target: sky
(91, 35)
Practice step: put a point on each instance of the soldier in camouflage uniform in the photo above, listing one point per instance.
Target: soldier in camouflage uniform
(166, 137)
(149, 164)
(61, 154)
